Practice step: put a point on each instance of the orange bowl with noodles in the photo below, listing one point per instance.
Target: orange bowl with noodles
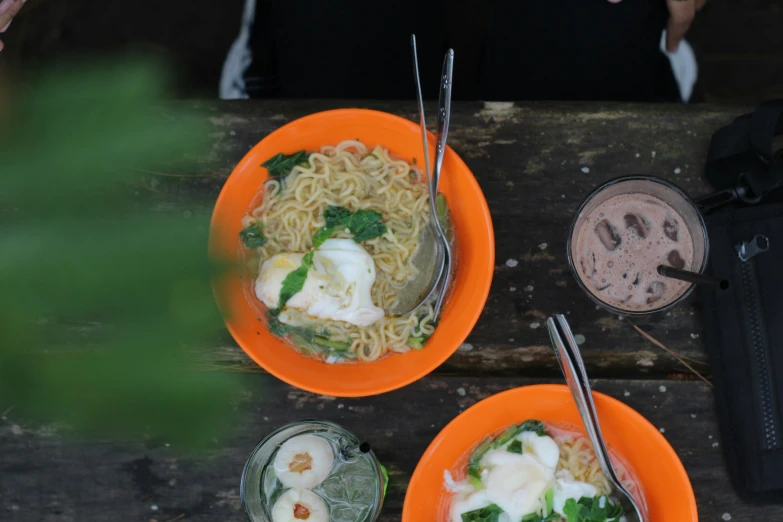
(441, 488)
(344, 213)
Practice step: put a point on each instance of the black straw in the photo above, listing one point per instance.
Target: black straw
(693, 277)
(350, 452)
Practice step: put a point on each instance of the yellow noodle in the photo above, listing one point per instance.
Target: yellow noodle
(350, 175)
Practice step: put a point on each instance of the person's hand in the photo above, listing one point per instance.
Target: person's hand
(8, 9)
(681, 15)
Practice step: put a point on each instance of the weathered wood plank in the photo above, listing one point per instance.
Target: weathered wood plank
(44, 478)
(535, 162)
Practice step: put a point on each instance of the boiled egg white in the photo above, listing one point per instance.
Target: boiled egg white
(516, 483)
(338, 285)
(566, 487)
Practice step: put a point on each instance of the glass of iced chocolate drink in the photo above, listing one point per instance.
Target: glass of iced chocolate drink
(623, 231)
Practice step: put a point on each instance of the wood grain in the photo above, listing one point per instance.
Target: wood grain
(535, 163)
(45, 478)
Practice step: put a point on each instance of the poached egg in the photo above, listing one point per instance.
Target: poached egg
(337, 287)
(518, 483)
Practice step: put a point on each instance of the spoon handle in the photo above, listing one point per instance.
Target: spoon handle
(576, 378)
(422, 122)
(570, 359)
(444, 118)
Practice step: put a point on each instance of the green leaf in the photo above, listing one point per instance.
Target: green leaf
(294, 281)
(385, 479)
(534, 426)
(490, 513)
(281, 164)
(549, 501)
(337, 346)
(474, 466)
(588, 509)
(253, 236)
(366, 224)
(335, 216)
(417, 343)
(506, 436)
(307, 335)
(103, 335)
(363, 224)
(515, 447)
(535, 517)
(574, 512)
(475, 482)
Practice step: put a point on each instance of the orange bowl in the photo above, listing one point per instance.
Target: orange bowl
(475, 245)
(656, 467)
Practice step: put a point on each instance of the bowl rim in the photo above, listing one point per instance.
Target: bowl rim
(481, 207)
(677, 472)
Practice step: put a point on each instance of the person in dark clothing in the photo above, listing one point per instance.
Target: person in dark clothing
(504, 49)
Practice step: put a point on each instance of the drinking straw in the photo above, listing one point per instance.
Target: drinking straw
(355, 450)
(692, 277)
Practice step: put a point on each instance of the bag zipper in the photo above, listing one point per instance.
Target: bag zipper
(760, 355)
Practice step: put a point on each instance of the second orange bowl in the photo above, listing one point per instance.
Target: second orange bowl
(475, 253)
(657, 469)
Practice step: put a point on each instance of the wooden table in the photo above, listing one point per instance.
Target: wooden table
(535, 162)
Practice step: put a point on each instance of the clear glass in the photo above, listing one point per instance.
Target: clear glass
(353, 491)
(662, 190)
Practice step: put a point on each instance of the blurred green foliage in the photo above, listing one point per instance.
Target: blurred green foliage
(102, 304)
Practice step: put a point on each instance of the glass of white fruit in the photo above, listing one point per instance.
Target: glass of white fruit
(312, 471)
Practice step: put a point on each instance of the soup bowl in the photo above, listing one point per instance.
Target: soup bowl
(640, 447)
(475, 253)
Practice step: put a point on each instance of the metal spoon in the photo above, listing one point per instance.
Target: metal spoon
(444, 117)
(573, 368)
(430, 256)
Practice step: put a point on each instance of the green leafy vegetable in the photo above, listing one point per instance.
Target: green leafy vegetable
(549, 501)
(281, 164)
(307, 335)
(475, 458)
(588, 509)
(515, 447)
(417, 343)
(363, 224)
(575, 512)
(71, 353)
(253, 235)
(442, 211)
(534, 426)
(385, 479)
(486, 514)
(294, 281)
(475, 482)
(440, 205)
(338, 346)
(506, 436)
(535, 517)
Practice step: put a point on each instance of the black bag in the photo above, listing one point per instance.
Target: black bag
(744, 324)
(744, 335)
